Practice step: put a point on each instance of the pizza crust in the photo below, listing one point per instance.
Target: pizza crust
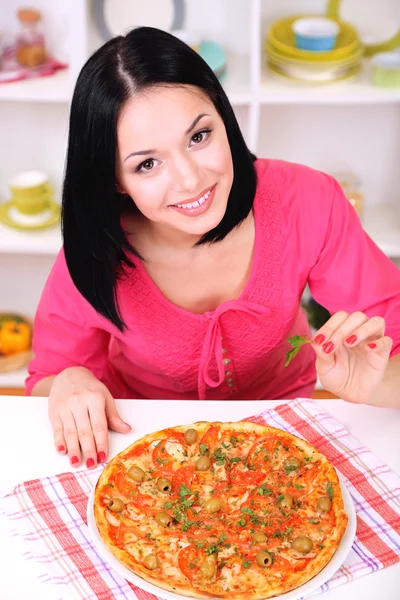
(288, 581)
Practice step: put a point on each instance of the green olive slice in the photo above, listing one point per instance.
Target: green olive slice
(116, 505)
(213, 505)
(136, 473)
(164, 485)
(302, 544)
(203, 463)
(292, 464)
(324, 504)
(151, 562)
(190, 436)
(286, 502)
(264, 558)
(207, 569)
(259, 537)
(163, 519)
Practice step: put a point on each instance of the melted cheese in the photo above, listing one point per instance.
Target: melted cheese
(176, 450)
(139, 550)
(111, 519)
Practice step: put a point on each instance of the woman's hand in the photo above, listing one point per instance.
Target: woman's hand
(352, 355)
(81, 409)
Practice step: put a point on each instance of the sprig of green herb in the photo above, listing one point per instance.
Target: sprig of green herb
(330, 490)
(297, 341)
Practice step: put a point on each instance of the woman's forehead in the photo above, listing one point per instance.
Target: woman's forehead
(167, 109)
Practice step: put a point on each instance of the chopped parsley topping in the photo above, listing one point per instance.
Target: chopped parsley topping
(203, 449)
(219, 456)
(330, 491)
(263, 490)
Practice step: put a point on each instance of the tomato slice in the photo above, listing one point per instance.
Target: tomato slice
(175, 435)
(210, 437)
(124, 531)
(144, 502)
(124, 484)
(137, 451)
(161, 459)
(247, 477)
(182, 476)
(189, 561)
(301, 564)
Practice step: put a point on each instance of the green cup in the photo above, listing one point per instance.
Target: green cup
(30, 192)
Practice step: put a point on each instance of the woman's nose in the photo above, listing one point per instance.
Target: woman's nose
(185, 175)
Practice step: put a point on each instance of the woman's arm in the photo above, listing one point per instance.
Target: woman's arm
(43, 387)
(360, 287)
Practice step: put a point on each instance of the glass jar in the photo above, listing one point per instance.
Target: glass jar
(30, 45)
(351, 187)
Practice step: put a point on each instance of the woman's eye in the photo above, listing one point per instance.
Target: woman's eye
(146, 165)
(200, 136)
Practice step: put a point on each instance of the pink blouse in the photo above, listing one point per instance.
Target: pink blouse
(306, 231)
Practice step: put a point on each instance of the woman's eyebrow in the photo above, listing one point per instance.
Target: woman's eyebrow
(153, 151)
(197, 119)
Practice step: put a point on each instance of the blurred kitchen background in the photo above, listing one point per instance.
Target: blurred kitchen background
(322, 93)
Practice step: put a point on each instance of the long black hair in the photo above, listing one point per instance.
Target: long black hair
(96, 248)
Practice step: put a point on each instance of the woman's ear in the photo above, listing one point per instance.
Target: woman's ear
(119, 189)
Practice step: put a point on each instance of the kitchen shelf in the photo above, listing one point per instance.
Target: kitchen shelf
(382, 223)
(276, 89)
(16, 379)
(21, 242)
(237, 81)
(53, 88)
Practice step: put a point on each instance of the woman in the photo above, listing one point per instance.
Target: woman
(185, 258)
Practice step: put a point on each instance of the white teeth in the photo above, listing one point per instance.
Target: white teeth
(196, 203)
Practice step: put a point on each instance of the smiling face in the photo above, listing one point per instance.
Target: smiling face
(174, 159)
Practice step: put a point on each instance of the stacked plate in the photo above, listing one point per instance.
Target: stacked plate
(284, 58)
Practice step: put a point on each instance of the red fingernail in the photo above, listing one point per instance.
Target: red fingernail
(101, 457)
(351, 339)
(319, 339)
(90, 463)
(372, 346)
(328, 347)
(74, 460)
(60, 449)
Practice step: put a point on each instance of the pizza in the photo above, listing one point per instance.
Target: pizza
(236, 510)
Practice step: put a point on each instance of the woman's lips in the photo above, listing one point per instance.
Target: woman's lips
(194, 209)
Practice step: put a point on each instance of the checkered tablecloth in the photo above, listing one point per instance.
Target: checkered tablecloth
(48, 515)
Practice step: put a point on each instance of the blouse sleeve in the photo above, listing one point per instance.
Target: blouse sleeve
(67, 330)
(350, 272)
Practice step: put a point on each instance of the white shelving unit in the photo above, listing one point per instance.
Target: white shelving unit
(55, 88)
(351, 123)
(279, 90)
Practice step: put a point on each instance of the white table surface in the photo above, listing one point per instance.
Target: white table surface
(27, 453)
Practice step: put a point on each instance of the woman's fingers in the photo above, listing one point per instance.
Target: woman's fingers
(346, 329)
(58, 435)
(371, 329)
(71, 437)
(378, 352)
(98, 419)
(114, 420)
(79, 405)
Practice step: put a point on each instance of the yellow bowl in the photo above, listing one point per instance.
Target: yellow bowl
(354, 58)
(293, 75)
(281, 37)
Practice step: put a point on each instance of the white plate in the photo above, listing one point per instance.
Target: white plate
(326, 573)
(116, 17)
(377, 23)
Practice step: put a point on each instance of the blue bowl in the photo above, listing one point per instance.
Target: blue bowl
(318, 34)
(315, 44)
